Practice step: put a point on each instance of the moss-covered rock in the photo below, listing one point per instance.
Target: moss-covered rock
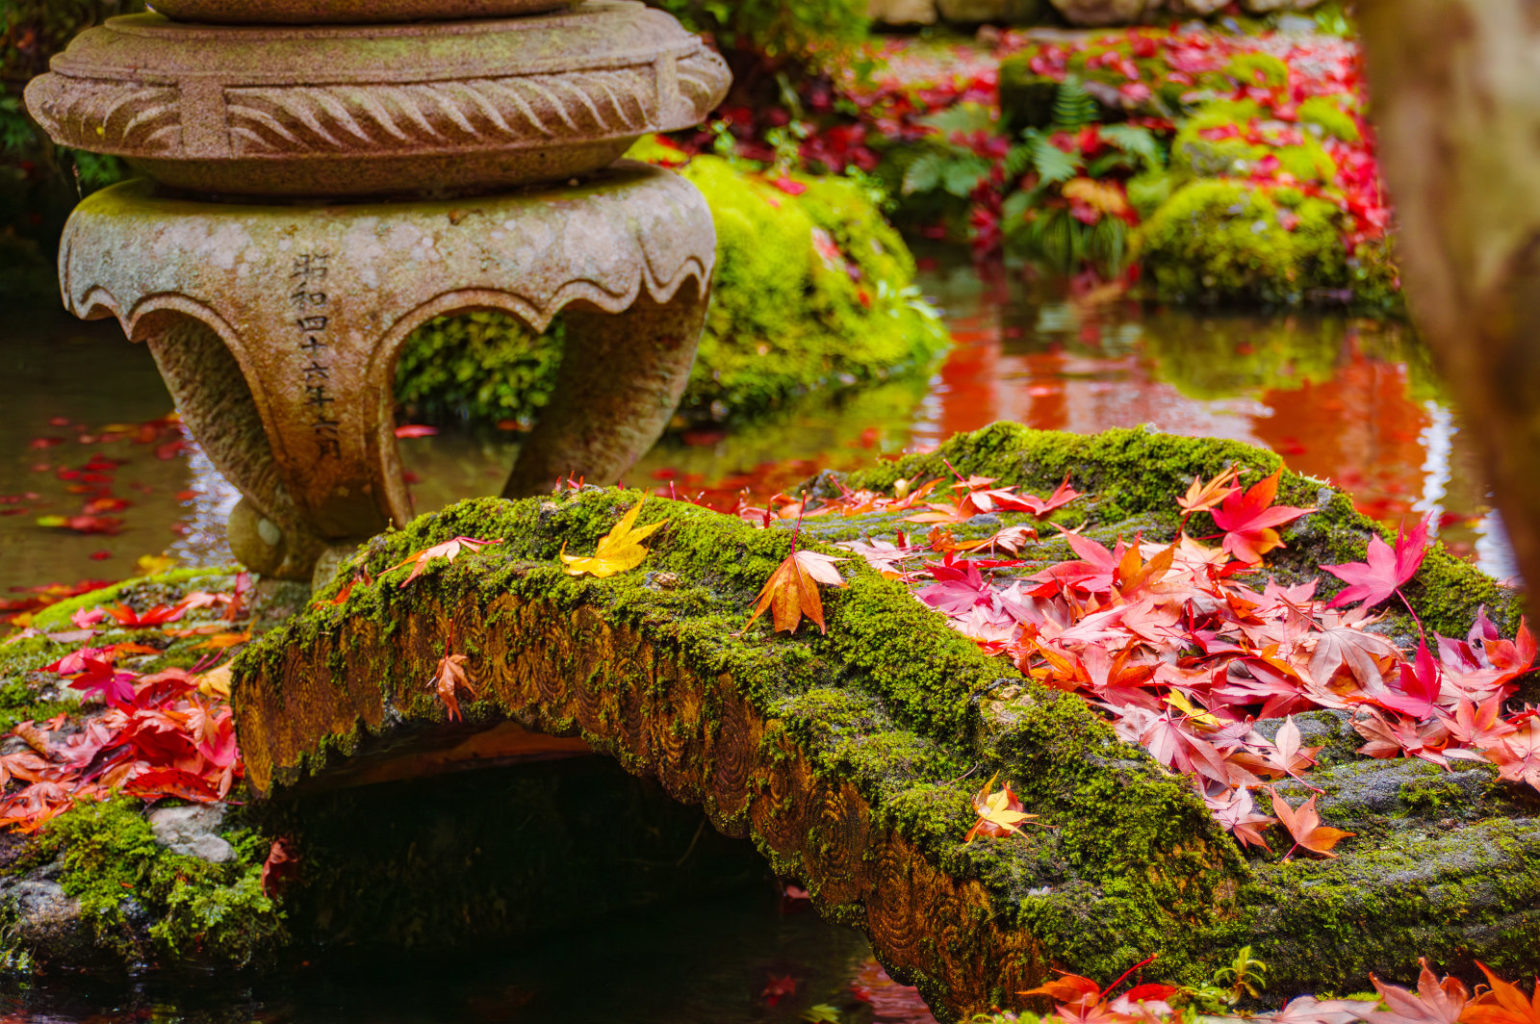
(849, 756)
(144, 904)
(813, 291)
(1204, 149)
(1223, 240)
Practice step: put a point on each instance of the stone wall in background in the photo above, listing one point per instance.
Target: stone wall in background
(1075, 12)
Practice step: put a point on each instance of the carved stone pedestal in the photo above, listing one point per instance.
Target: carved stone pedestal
(277, 329)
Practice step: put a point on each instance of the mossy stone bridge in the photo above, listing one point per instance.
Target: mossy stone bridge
(849, 758)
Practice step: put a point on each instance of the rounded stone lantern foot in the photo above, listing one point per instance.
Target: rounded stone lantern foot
(277, 330)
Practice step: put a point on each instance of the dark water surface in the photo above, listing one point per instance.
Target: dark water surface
(740, 959)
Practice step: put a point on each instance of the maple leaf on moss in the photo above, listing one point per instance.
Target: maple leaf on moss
(1376, 580)
(618, 551)
(449, 551)
(1304, 827)
(1000, 812)
(792, 591)
(1250, 519)
(1204, 497)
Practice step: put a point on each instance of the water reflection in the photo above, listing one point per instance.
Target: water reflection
(741, 959)
(1348, 400)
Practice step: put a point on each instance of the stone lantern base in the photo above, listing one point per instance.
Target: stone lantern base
(277, 329)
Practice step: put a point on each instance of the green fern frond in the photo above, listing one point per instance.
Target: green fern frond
(1073, 107)
(1052, 163)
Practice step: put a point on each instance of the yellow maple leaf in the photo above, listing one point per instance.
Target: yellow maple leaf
(215, 682)
(150, 565)
(1108, 199)
(1178, 700)
(620, 550)
(1000, 813)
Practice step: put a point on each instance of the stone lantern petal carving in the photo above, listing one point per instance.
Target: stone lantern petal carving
(422, 169)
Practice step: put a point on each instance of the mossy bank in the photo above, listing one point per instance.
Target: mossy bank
(814, 291)
(849, 761)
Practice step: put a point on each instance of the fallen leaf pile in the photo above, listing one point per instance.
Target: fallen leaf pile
(1189, 649)
(1079, 1000)
(168, 733)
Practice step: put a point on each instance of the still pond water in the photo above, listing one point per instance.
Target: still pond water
(1352, 401)
(85, 433)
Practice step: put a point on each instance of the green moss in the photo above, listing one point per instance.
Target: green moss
(1399, 897)
(1192, 153)
(1328, 114)
(110, 862)
(812, 292)
(1262, 69)
(1230, 241)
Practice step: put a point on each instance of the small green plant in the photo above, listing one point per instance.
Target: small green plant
(1244, 978)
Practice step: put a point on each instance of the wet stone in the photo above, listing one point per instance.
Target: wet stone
(48, 920)
(192, 831)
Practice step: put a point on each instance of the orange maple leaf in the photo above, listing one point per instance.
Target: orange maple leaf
(1202, 497)
(225, 641)
(792, 590)
(1305, 828)
(451, 675)
(1503, 1003)
(449, 551)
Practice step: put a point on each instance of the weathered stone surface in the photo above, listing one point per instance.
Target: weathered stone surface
(351, 12)
(1269, 6)
(1197, 8)
(48, 921)
(903, 12)
(277, 330)
(844, 755)
(1106, 12)
(192, 830)
(995, 12)
(377, 110)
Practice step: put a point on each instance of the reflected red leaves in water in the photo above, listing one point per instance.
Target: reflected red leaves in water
(412, 430)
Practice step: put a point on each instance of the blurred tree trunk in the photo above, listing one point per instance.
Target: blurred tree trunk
(1456, 97)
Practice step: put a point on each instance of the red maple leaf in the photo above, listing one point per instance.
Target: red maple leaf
(1386, 570)
(116, 687)
(449, 551)
(1420, 687)
(1250, 519)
